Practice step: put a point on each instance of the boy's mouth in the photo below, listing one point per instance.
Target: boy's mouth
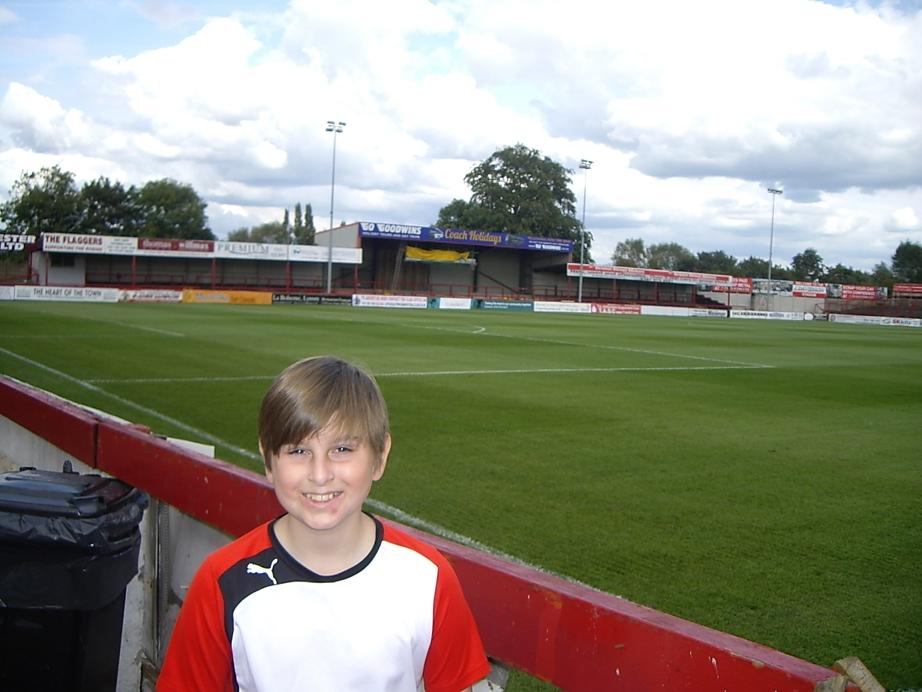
(322, 497)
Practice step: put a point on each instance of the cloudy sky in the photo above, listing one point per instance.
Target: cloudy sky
(689, 110)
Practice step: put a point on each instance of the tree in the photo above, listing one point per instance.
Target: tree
(840, 274)
(461, 214)
(109, 208)
(305, 235)
(907, 262)
(239, 235)
(286, 225)
(299, 222)
(717, 262)
(172, 210)
(46, 201)
(630, 253)
(270, 232)
(670, 256)
(519, 191)
(807, 265)
(881, 275)
(753, 267)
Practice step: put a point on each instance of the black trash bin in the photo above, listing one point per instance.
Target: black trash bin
(69, 545)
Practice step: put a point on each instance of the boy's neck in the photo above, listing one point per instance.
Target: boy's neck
(327, 552)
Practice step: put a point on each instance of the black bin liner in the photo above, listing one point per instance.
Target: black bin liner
(69, 546)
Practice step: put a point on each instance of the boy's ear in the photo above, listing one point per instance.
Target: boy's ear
(268, 466)
(382, 462)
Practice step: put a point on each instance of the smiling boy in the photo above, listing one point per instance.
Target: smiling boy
(325, 597)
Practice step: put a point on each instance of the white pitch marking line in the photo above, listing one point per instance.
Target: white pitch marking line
(377, 505)
(127, 402)
(170, 380)
(606, 347)
(529, 371)
(146, 329)
(155, 330)
(442, 373)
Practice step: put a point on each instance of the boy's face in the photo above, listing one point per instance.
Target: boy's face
(323, 480)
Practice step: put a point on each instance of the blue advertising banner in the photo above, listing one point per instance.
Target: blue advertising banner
(455, 236)
(511, 305)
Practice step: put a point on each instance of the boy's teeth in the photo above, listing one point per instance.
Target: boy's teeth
(326, 497)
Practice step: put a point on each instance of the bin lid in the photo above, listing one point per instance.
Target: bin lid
(55, 493)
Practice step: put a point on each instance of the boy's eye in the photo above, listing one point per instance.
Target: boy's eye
(343, 449)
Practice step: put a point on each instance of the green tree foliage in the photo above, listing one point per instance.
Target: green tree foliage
(630, 253)
(299, 222)
(280, 232)
(807, 265)
(672, 256)
(271, 232)
(716, 262)
(46, 201)
(882, 275)
(109, 209)
(172, 210)
(519, 191)
(753, 267)
(239, 235)
(907, 262)
(840, 274)
(461, 214)
(306, 235)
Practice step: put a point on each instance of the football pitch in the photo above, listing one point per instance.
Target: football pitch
(761, 478)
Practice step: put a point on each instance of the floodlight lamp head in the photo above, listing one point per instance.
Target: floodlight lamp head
(585, 163)
(775, 191)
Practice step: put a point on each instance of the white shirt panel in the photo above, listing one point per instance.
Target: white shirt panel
(370, 631)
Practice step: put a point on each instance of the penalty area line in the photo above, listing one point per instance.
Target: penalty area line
(131, 404)
(378, 506)
(440, 373)
(552, 371)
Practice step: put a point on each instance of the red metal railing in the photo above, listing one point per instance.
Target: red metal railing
(568, 634)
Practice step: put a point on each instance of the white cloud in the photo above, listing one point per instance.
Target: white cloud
(687, 110)
(40, 122)
(905, 219)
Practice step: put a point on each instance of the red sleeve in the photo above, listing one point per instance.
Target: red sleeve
(456, 658)
(199, 656)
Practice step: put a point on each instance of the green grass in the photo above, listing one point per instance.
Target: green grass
(652, 458)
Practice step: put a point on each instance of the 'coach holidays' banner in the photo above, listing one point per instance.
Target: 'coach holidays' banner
(457, 236)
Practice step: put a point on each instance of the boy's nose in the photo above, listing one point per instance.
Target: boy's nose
(321, 471)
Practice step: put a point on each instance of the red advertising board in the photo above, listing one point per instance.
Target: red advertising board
(907, 290)
(597, 271)
(850, 292)
(737, 285)
(174, 245)
(802, 289)
(616, 309)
